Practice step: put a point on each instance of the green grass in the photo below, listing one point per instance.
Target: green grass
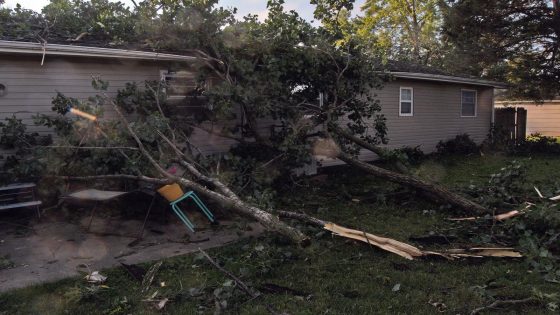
(338, 276)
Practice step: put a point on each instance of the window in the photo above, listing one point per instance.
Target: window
(178, 83)
(468, 103)
(406, 103)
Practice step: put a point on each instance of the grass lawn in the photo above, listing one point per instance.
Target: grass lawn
(333, 275)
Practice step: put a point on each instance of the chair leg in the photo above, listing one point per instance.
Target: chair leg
(203, 207)
(183, 217)
(141, 234)
(36, 207)
(91, 216)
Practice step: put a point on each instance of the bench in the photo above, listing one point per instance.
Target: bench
(19, 196)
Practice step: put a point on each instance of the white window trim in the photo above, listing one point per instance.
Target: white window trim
(411, 101)
(475, 102)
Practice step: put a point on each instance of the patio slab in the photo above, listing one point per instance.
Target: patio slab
(53, 250)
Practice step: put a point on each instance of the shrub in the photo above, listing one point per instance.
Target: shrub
(414, 155)
(537, 143)
(461, 144)
(17, 166)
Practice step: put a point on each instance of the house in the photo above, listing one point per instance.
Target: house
(31, 75)
(542, 117)
(421, 108)
(424, 108)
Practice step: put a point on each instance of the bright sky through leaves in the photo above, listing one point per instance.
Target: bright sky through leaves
(244, 6)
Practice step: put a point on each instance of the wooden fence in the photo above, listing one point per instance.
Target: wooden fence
(511, 123)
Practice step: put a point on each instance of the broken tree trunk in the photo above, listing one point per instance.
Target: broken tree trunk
(432, 189)
(435, 190)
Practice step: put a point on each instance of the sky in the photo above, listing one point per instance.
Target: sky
(244, 6)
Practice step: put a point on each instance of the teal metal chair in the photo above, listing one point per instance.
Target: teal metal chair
(191, 194)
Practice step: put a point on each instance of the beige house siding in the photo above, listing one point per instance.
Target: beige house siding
(436, 115)
(541, 118)
(30, 88)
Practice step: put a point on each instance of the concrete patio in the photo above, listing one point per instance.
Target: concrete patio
(54, 249)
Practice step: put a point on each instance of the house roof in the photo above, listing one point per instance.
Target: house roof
(16, 47)
(19, 47)
(447, 78)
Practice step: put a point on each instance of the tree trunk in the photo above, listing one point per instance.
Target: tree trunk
(416, 183)
(381, 152)
(268, 220)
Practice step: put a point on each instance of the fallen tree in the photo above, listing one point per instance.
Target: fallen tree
(436, 191)
(225, 196)
(254, 82)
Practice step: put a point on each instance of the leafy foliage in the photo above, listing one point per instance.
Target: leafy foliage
(505, 188)
(405, 30)
(14, 137)
(515, 41)
(461, 144)
(537, 143)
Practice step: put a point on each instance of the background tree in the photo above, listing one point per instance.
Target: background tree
(514, 40)
(405, 29)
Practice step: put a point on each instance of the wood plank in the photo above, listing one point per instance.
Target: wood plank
(17, 186)
(21, 205)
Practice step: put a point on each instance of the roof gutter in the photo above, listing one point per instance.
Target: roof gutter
(449, 79)
(14, 47)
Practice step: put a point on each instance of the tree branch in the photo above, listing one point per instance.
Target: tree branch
(499, 303)
(239, 283)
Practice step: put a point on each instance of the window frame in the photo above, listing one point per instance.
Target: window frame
(401, 114)
(475, 103)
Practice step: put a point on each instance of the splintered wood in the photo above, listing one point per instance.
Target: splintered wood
(410, 252)
(402, 249)
(498, 217)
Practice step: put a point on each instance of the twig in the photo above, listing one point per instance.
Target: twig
(87, 147)
(303, 217)
(241, 284)
(498, 303)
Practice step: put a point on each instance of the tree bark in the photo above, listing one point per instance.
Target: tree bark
(381, 152)
(435, 190)
(364, 144)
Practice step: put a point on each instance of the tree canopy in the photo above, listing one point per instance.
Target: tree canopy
(403, 29)
(514, 40)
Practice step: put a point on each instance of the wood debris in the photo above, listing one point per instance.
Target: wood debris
(484, 252)
(498, 217)
(402, 249)
(555, 198)
(411, 252)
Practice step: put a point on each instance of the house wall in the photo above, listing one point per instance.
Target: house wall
(30, 87)
(542, 118)
(437, 106)
(436, 115)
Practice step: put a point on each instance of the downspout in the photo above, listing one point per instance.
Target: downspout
(493, 119)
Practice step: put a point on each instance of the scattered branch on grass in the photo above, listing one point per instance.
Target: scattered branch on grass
(499, 303)
(240, 283)
(150, 275)
(400, 248)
